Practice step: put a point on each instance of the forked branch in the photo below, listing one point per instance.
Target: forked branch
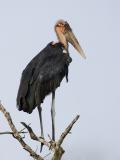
(55, 147)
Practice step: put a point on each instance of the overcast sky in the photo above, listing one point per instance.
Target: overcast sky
(93, 91)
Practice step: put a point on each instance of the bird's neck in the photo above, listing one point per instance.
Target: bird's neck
(61, 38)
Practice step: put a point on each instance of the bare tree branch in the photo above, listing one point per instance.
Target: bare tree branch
(17, 135)
(55, 147)
(7, 132)
(34, 137)
(67, 131)
(58, 149)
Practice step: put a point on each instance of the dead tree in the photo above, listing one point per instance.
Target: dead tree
(54, 146)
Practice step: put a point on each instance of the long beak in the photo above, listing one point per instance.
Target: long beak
(70, 37)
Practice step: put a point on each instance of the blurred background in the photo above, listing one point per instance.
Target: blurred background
(93, 91)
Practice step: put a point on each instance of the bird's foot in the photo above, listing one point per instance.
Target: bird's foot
(52, 144)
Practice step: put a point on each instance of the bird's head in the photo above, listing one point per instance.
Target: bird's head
(65, 35)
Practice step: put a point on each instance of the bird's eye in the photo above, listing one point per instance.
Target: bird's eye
(59, 25)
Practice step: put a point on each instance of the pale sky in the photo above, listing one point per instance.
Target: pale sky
(93, 91)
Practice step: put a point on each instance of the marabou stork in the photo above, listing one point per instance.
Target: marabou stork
(45, 72)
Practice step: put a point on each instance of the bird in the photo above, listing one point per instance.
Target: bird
(45, 72)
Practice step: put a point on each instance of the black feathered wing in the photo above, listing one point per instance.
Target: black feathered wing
(42, 76)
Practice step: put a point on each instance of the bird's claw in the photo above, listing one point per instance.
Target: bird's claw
(52, 144)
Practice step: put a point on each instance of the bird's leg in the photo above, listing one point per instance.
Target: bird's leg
(53, 115)
(41, 124)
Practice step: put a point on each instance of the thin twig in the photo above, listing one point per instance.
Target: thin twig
(24, 128)
(20, 132)
(34, 137)
(67, 131)
(7, 132)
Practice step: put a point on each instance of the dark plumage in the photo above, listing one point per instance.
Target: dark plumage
(45, 72)
(42, 76)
